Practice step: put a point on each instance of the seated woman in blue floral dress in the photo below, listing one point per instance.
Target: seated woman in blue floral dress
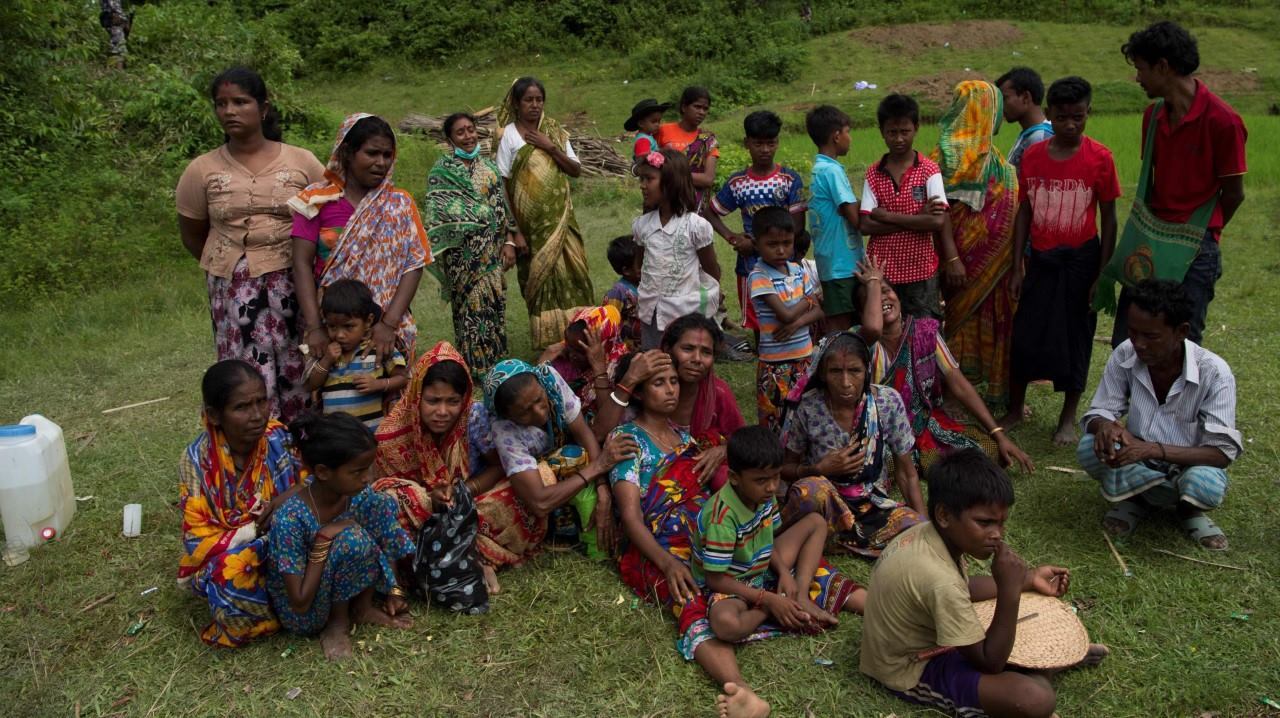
(335, 543)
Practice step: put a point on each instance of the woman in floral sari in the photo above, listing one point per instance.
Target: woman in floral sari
(357, 224)
(473, 243)
(659, 492)
(536, 160)
(983, 191)
(550, 459)
(438, 439)
(842, 434)
(586, 358)
(910, 355)
(233, 476)
(706, 407)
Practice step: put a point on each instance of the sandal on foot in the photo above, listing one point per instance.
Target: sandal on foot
(1201, 527)
(1126, 512)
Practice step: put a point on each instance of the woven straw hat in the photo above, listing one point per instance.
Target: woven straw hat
(1049, 635)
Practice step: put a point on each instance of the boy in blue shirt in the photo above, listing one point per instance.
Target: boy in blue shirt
(1023, 92)
(837, 244)
(763, 184)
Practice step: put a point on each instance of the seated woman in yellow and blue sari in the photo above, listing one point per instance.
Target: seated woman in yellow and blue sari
(233, 476)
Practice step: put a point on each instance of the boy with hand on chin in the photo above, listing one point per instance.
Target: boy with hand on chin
(921, 599)
(904, 208)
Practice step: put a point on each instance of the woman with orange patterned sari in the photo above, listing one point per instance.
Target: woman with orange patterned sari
(232, 477)
(437, 441)
(982, 188)
(357, 224)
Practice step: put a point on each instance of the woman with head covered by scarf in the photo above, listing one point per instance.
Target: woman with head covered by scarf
(357, 224)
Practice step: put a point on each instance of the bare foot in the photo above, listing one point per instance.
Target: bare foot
(741, 702)
(1012, 419)
(818, 614)
(1066, 435)
(490, 579)
(378, 617)
(335, 641)
(1097, 652)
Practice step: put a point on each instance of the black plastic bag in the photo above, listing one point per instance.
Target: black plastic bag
(446, 567)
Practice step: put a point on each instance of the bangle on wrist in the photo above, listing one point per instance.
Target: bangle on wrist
(398, 592)
(1163, 456)
(995, 431)
(625, 389)
(613, 396)
(954, 259)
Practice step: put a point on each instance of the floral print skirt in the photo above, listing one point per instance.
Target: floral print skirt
(255, 319)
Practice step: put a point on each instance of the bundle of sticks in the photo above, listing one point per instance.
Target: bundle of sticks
(598, 155)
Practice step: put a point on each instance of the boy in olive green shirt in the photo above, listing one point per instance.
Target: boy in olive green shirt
(921, 637)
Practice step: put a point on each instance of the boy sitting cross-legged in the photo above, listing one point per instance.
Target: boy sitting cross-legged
(754, 584)
(921, 599)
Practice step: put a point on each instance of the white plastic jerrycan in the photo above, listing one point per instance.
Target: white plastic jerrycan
(37, 500)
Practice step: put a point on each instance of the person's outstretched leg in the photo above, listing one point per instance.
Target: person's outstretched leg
(720, 662)
(739, 701)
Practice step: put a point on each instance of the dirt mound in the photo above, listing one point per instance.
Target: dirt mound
(965, 35)
(1230, 81)
(935, 90)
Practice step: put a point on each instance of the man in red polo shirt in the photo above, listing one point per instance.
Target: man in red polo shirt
(1199, 154)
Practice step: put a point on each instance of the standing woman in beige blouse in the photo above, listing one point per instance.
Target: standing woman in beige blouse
(233, 217)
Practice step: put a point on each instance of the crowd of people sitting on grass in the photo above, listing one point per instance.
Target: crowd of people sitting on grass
(342, 471)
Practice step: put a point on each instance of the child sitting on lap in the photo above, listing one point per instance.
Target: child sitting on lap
(921, 599)
(626, 258)
(786, 299)
(752, 582)
(351, 377)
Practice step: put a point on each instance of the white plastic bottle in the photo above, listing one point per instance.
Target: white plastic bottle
(37, 500)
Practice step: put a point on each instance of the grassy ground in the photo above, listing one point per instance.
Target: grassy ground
(564, 639)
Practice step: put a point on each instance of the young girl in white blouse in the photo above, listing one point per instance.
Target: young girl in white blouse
(679, 274)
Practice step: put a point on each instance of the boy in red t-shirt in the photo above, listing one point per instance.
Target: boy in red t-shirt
(1067, 181)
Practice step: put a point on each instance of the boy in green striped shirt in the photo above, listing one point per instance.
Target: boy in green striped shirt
(751, 580)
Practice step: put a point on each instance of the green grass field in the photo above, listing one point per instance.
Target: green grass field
(563, 639)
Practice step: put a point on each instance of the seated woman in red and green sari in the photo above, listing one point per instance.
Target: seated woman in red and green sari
(659, 492)
(233, 476)
(910, 355)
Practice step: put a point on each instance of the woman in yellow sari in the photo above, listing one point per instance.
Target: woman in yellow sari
(536, 160)
(232, 478)
(982, 188)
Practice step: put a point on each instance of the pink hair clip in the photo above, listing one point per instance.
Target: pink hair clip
(655, 159)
